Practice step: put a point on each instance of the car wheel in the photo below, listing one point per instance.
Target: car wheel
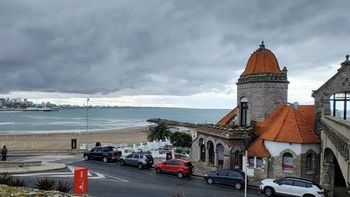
(158, 171)
(122, 162)
(238, 185)
(180, 175)
(268, 191)
(105, 159)
(86, 157)
(210, 181)
(140, 166)
(308, 195)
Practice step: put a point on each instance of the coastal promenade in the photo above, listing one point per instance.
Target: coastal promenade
(61, 142)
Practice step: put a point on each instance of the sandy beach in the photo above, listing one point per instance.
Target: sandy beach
(54, 141)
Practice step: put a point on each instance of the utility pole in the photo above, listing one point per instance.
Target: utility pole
(87, 122)
(245, 177)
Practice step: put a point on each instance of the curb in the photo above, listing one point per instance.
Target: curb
(38, 170)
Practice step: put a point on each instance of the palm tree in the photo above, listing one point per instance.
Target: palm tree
(160, 132)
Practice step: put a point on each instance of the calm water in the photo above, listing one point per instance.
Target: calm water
(100, 119)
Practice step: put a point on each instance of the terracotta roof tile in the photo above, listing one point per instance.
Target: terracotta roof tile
(262, 61)
(257, 148)
(295, 125)
(228, 118)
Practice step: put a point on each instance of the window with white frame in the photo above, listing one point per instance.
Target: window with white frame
(287, 161)
(259, 162)
(251, 161)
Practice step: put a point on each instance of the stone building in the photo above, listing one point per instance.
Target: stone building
(332, 101)
(280, 137)
(287, 145)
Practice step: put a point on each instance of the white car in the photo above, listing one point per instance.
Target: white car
(291, 186)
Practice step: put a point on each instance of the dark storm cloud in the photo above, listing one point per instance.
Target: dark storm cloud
(157, 47)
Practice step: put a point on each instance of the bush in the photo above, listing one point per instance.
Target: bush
(17, 182)
(181, 139)
(45, 184)
(63, 187)
(6, 179)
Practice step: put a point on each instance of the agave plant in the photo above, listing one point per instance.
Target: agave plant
(6, 179)
(45, 184)
(17, 182)
(63, 187)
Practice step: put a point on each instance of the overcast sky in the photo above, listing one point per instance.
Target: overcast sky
(180, 53)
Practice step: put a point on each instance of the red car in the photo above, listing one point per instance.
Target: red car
(179, 167)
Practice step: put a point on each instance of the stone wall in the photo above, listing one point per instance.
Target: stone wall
(260, 173)
(275, 166)
(263, 98)
(314, 173)
(340, 82)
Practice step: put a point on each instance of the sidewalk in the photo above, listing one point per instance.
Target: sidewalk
(48, 163)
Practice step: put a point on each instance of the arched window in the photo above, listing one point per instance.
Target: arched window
(309, 162)
(340, 105)
(287, 161)
(243, 111)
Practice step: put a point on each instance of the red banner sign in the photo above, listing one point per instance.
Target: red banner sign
(80, 180)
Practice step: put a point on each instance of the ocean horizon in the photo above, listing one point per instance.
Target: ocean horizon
(75, 120)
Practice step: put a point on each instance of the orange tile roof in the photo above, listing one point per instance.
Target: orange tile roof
(258, 149)
(228, 118)
(286, 124)
(262, 61)
(289, 124)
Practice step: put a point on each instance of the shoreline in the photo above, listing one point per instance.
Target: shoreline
(62, 141)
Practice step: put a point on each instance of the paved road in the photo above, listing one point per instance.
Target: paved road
(110, 179)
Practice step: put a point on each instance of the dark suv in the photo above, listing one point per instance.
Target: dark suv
(233, 178)
(104, 153)
(141, 160)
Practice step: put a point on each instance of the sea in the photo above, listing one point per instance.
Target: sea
(96, 119)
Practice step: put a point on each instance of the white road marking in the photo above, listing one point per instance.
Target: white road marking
(92, 175)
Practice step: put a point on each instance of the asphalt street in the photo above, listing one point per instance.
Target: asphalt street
(113, 180)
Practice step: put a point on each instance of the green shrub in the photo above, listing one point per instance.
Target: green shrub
(63, 187)
(6, 179)
(45, 184)
(17, 182)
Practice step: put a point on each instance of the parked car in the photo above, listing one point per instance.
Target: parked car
(233, 178)
(179, 167)
(291, 186)
(104, 153)
(141, 160)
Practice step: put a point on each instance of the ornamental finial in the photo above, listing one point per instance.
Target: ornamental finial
(262, 46)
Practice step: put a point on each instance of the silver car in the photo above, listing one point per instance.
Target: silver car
(141, 160)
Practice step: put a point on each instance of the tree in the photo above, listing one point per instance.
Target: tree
(181, 139)
(159, 132)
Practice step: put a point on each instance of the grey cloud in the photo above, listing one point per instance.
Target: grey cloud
(159, 47)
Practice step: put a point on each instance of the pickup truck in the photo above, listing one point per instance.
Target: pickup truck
(104, 153)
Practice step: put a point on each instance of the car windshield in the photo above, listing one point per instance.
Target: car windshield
(276, 181)
(110, 149)
(319, 186)
(188, 164)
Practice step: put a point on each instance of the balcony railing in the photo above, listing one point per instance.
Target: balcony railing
(340, 142)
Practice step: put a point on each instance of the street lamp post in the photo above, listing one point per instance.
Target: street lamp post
(87, 122)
